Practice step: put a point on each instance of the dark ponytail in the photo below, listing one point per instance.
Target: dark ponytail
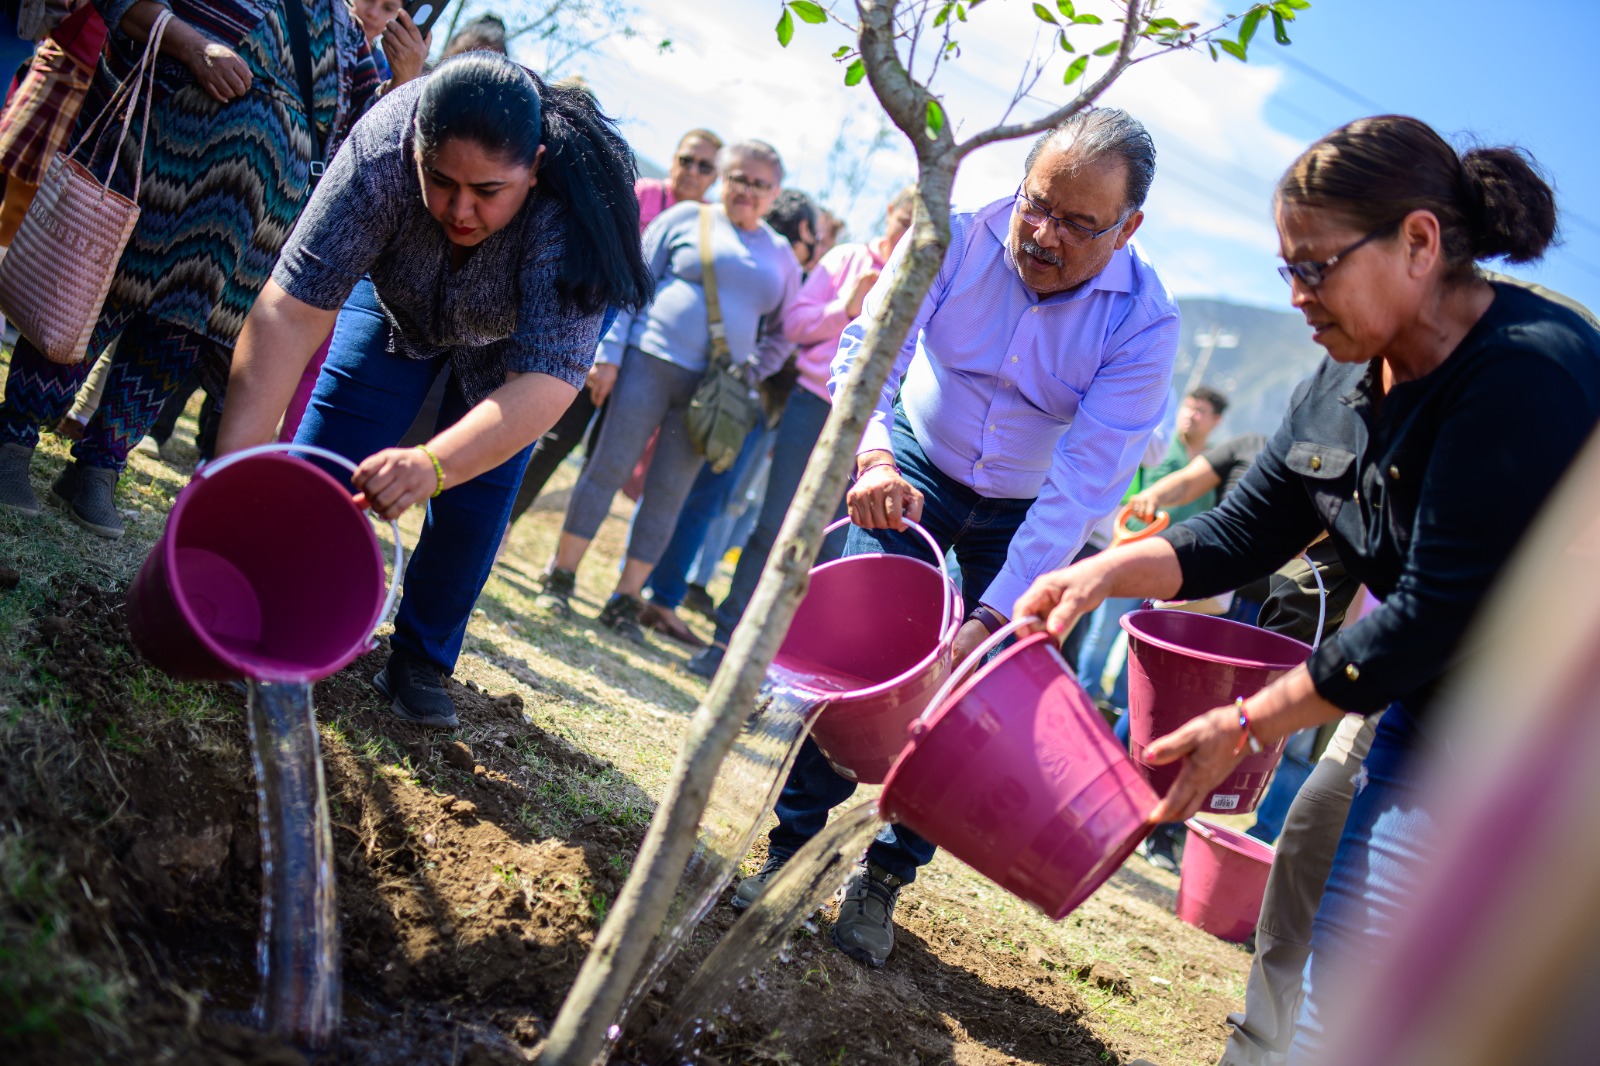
(1490, 202)
(587, 165)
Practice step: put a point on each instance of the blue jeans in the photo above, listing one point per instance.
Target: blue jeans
(669, 581)
(1293, 771)
(1103, 630)
(364, 401)
(1388, 838)
(980, 532)
(798, 430)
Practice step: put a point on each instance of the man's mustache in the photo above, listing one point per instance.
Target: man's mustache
(1041, 253)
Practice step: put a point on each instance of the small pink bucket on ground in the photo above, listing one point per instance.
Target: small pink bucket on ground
(266, 570)
(873, 635)
(1017, 774)
(1181, 665)
(1223, 880)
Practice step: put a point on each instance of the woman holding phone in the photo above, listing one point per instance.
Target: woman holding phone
(480, 220)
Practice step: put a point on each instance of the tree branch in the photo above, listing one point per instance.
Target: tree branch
(1122, 61)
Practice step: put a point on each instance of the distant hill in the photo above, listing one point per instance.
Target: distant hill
(1272, 354)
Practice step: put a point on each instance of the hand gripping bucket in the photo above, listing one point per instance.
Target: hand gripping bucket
(874, 634)
(1181, 665)
(266, 570)
(1017, 774)
(1223, 880)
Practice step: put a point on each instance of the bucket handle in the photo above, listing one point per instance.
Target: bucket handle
(1322, 602)
(333, 457)
(1123, 535)
(966, 666)
(950, 593)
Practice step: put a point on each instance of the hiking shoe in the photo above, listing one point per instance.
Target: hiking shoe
(621, 616)
(750, 888)
(666, 622)
(865, 929)
(698, 600)
(706, 663)
(554, 598)
(1160, 848)
(416, 689)
(15, 491)
(89, 494)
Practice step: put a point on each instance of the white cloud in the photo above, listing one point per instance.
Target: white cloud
(1208, 214)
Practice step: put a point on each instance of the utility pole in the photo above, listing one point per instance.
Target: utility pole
(1208, 342)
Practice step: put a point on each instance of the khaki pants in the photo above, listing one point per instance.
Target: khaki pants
(1311, 831)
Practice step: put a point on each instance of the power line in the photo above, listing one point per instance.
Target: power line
(1331, 82)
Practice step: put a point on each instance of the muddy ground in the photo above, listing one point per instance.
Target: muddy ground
(473, 869)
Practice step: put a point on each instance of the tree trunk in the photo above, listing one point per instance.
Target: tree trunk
(578, 1034)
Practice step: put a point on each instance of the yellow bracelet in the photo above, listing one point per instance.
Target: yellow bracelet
(438, 469)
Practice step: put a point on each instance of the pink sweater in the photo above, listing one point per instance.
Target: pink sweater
(655, 196)
(818, 315)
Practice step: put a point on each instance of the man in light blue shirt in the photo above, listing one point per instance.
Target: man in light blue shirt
(1028, 387)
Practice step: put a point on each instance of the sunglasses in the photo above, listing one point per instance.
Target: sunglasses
(705, 166)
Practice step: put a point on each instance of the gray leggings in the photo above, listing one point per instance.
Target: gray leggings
(650, 393)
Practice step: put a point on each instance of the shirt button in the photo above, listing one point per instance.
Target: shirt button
(1316, 462)
(993, 428)
(979, 466)
(1394, 473)
(1013, 359)
(1353, 672)
(1035, 310)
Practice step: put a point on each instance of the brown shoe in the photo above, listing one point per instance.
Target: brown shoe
(669, 625)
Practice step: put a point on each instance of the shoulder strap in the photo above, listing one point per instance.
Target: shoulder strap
(708, 281)
(294, 15)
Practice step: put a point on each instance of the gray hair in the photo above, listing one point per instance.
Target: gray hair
(1104, 131)
(760, 151)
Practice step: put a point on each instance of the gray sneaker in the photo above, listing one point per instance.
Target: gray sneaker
(415, 688)
(90, 496)
(15, 491)
(554, 598)
(865, 929)
(750, 888)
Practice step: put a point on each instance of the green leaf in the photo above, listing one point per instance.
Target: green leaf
(1044, 13)
(943, 16)
(1066, 45)
(1247, 28)
(1089, 20)
(785, 28)
(842, 51)
(1280, 32)
(809, 12)
(1213, 48)
(1234, 49)
(855, 72)
(1107, 48)
(961, 12)
(1075, 71)
(1298, 5)
(1066, 8)
(1282, 8)
(935, 118)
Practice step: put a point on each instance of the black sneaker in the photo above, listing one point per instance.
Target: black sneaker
(621, 616)
(1160, 848)
(416, 688)
(698, 600)
(750, 888)
(865, 929)
(557, 591)
(706, 663)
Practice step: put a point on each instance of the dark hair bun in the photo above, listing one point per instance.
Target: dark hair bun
(1515, 208)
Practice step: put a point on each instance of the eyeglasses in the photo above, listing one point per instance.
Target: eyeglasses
(1313, 273)
(753, 184)
(705, 166)
(1036, 216)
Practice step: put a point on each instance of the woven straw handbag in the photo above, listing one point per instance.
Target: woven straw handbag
(54, 279)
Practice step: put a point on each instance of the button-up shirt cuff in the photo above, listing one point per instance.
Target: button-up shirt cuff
(875, 438)
(1344, 682)
(1003, 592)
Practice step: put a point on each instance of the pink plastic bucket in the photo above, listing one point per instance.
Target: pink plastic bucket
(1181, 665)
(266, 570)
(1223, 879)
(873, 634)
(1017, 774)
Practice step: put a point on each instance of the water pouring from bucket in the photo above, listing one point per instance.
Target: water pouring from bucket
(268, 572)
(874, 637)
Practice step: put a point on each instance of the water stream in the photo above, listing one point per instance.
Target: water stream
(802, 887)
(297, 952)
(746, 788)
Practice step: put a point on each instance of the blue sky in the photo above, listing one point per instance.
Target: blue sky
(1224, 131)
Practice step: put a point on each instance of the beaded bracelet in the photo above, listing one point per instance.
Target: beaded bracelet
(1249, 737)
(888, 463)
(438, 468)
